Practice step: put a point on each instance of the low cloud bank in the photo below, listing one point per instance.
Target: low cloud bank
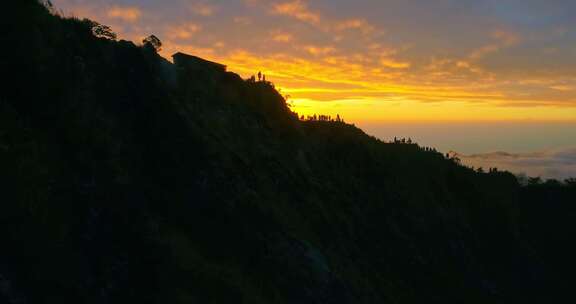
(559, 163)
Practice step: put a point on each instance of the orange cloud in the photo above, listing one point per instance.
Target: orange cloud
(395, 64)
(503, 39)
(242, 20)
(203, 9)
(282, 37)
(184, 31)
(483, 51)
(252, 2)
(469, 66)
(297, 9)
(314, 50)
(125, 13)
(507, 38)
(563, 88)
(355, 24)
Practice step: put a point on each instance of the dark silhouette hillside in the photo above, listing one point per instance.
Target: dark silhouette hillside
(125, 178)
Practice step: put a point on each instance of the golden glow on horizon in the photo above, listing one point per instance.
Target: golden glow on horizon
(314, 58)
(341, 90)
(410, 111)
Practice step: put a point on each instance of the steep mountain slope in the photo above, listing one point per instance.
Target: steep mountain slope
(126, 178)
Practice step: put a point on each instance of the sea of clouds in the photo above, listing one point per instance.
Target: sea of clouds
(558, 163)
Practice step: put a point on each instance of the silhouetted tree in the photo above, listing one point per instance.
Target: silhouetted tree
(48, 5)
(534, 181)
(552, 182)
(153, 42)
(100, 30)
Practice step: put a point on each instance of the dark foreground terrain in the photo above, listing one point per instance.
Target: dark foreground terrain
(127, 179)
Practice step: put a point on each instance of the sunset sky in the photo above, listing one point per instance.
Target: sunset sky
(494, 64)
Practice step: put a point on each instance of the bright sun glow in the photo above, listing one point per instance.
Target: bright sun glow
(331, 58)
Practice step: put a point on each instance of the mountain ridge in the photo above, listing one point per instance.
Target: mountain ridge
(127, 178)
